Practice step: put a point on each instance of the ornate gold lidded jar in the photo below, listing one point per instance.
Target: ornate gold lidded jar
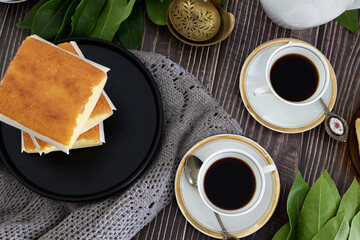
(195, 20)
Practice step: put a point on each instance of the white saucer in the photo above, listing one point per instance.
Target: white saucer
(271, 111)
(200, 216)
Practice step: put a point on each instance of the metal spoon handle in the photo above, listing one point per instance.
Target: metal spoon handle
(224, 232)
(223, 229)
(324, 106)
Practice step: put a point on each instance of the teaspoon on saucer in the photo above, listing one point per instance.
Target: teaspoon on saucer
(335, 125)
(192, 167)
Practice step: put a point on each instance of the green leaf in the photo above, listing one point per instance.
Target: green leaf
(333, 188)
(349, 19)
(65, 29)
(29, 18)
(48, 19)
(115, 12)
(282, 233)
(295, 202)
(128, 10)
(319, 206)
(85, 17)
(355, 228)
(350, 203)
(337, 228)
(131, 30)
(156, 10)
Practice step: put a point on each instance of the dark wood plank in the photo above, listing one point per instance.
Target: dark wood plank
(218, 68)
(311, 152)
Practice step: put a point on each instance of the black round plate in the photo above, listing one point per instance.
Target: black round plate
(132, 135)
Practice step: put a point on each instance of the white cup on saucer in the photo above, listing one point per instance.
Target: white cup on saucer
(258, 173)
(311, 54)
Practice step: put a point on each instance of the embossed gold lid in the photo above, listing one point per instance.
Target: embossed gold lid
(195, 19)
(199, 23)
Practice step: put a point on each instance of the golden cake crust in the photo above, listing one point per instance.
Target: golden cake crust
(28, 144)
(92, 135)
(89, 137)
(102, 106)
(68, 47)
(45, 89)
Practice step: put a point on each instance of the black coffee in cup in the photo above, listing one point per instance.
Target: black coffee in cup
(294, 77)
(229, 183)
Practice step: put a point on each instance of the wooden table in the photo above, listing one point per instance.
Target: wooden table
(218, 68)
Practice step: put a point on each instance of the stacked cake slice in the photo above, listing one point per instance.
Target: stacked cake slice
(91, 138)
(56, 96)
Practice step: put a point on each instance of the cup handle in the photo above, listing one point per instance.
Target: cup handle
(269, 168)
(262, 91)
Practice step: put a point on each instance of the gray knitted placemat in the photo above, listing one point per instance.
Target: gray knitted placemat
(190, 115)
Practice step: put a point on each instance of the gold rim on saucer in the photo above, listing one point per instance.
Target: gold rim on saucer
(262, 121)
(266, 215)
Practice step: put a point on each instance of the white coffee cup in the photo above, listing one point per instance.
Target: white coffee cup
(258, 171)
(308, 52)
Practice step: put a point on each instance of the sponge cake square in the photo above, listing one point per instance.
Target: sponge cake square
(49, 92)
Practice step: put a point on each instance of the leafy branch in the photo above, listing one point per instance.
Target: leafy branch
(58, 19)
(319, 212)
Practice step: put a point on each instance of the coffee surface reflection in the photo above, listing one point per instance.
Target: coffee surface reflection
(229, 183)
(294, 77)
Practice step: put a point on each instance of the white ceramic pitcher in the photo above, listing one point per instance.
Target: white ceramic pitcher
(300, 14)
